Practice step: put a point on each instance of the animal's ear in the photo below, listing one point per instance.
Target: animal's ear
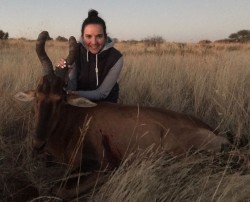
(80, 101)
(26, 96)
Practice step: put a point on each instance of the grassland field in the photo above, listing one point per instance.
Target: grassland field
(209, 81)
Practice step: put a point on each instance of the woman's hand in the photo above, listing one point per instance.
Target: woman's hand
(61, 63)
(70, 92)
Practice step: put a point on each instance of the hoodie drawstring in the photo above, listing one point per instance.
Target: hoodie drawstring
(96, 70)
(96, 67)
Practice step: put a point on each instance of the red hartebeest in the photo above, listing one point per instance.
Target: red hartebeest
(113, 130)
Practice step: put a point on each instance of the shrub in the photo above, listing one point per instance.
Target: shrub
(4, 35)
(61, 38)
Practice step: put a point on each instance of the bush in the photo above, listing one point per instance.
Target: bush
(4, 35)
(241, 36)
(61, 38)
(153, 41)
(205, 41)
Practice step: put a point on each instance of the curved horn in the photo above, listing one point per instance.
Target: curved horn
(72, 51)
(63, 72)
(43, 57)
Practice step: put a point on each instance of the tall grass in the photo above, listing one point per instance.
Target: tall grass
(214, 87)
(211, 82)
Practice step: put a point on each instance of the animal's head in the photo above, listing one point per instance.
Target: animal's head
(50, 96)
(51, 86)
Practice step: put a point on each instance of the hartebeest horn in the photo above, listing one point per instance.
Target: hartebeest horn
(43, 57)
(63, 72)
(46, 62)
(72, 51)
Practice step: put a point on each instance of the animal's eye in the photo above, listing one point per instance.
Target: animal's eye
(55, 98)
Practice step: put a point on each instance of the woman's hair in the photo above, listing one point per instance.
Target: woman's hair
(93, 18)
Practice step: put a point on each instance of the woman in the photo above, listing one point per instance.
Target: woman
(98, 64)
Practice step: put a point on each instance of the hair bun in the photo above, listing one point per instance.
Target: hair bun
(92, 13)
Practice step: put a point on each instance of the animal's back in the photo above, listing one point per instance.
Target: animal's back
(121, 129)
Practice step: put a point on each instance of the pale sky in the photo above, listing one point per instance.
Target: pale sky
(174, 20)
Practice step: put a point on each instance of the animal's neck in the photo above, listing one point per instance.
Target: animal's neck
(63, 125)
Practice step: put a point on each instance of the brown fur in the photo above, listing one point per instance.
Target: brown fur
(115, 130)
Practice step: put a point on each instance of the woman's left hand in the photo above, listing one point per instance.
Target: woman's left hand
(70, 92)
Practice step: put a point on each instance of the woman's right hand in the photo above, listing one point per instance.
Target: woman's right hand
(61, 63)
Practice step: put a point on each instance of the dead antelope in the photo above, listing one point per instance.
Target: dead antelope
(112, 131)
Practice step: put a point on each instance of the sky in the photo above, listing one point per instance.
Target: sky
(174, 20)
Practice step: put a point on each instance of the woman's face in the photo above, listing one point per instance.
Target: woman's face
(93, 37)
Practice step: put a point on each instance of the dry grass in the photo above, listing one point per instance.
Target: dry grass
(211, 82)
(199, 177)
(214, 87)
